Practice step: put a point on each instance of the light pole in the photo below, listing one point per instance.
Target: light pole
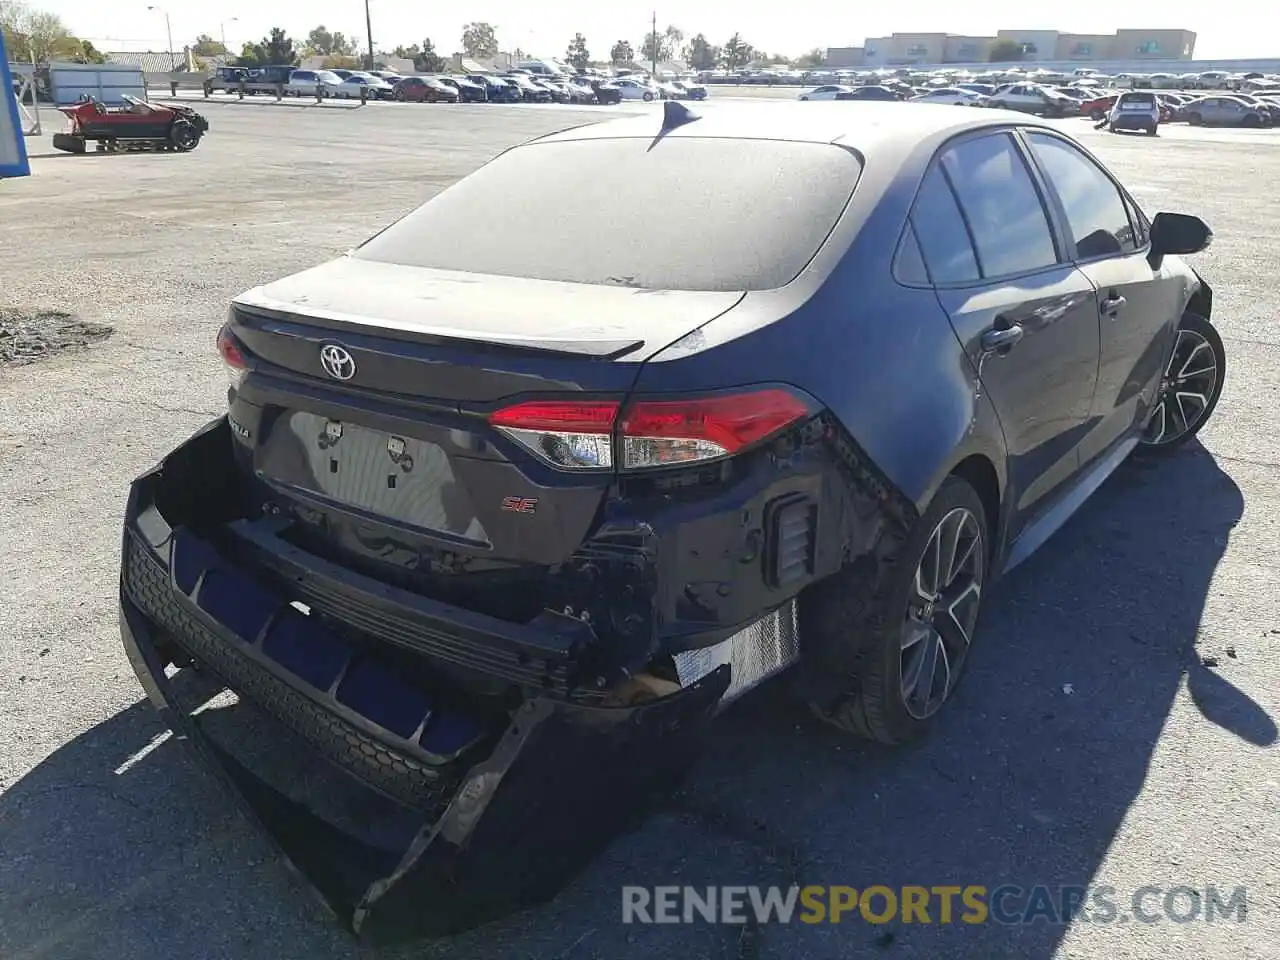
(226, 52)
(169, 31)
(368, 26)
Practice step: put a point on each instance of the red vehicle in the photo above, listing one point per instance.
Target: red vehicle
(425, 90)
(1098, 108)
(135, 125)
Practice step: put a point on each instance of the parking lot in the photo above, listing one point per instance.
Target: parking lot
(1118, 726)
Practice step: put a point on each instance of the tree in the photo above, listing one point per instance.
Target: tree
(89, 53)
(206, 46)
(322, 43)
(428, 61)
(479, 41)
(661, 46)
(340, 61)
(411, 52)
(814, 58)
(577, 54)
(279, 48)
(736, 53)
(700, 54)
(35, 33)
(275, 49)
(621, 52)
(1004, 50)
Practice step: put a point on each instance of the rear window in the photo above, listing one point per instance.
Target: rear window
(1144, 98)
(684, 213)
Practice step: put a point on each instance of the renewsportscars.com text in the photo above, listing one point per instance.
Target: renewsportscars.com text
(1005, 904)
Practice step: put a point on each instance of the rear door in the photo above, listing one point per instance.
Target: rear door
(1027, 320)
(1139, 304)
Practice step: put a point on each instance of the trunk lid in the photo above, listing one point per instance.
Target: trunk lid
(590, 321)
(390, 464)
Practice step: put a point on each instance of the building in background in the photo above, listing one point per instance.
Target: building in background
(1038, 46)
(1153, 45)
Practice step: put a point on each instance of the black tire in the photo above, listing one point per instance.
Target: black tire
(1095, 115)
(69, 143)
(183, 136)
(1252, 120)
(865, 606)
(647, 96)
(1195, 119)
(998, 105)
(1198, 330)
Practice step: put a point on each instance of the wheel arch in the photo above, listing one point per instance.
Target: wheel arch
(1201, 302)
(979, 472)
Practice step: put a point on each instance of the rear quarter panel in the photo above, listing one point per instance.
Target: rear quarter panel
(882, 357)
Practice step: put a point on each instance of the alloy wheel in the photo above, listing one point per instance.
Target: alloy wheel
(942, 612)
(1186, 392)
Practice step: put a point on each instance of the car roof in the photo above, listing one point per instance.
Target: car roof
(870, 127)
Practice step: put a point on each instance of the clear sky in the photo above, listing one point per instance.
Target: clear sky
(1228, 28)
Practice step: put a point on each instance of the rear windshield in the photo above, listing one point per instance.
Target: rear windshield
(1147, 98)
(682, 213)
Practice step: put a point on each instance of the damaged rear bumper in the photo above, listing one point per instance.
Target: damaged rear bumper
(412, 810)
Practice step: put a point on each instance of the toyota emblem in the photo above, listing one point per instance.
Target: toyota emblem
(337, 362)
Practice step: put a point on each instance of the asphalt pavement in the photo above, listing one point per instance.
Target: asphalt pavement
(1118, 726)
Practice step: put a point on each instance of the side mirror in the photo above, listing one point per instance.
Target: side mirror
(1178, 233)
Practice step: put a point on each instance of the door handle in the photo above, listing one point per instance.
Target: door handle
(1001, 339)
(1113, 303)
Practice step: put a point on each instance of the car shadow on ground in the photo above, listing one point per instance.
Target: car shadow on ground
(116, 846)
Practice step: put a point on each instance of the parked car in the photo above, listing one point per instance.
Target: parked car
(827, 91)
(580, 90)
(480, 512)
(530, 92)
(227, 79)
(559, 90)
(1263, 104)
(869, 92)
(1225, 111)
(1034, 99)
(468, 92)
(1098, 107)
(497, 90)
(606, 92)
(632, 88)
(954, 95)
(303, 83)
(1135, 110)
(425, 90)
(682, 90)
(1170, 106)
(374, 89)
(389, 76)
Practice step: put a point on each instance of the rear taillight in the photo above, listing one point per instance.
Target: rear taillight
(232, 357)
(651, 433)
(659, 433)
(574, 433)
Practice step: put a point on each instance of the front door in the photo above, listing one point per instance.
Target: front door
(1139, 304)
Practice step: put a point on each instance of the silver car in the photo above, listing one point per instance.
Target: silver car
(1225, 112)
